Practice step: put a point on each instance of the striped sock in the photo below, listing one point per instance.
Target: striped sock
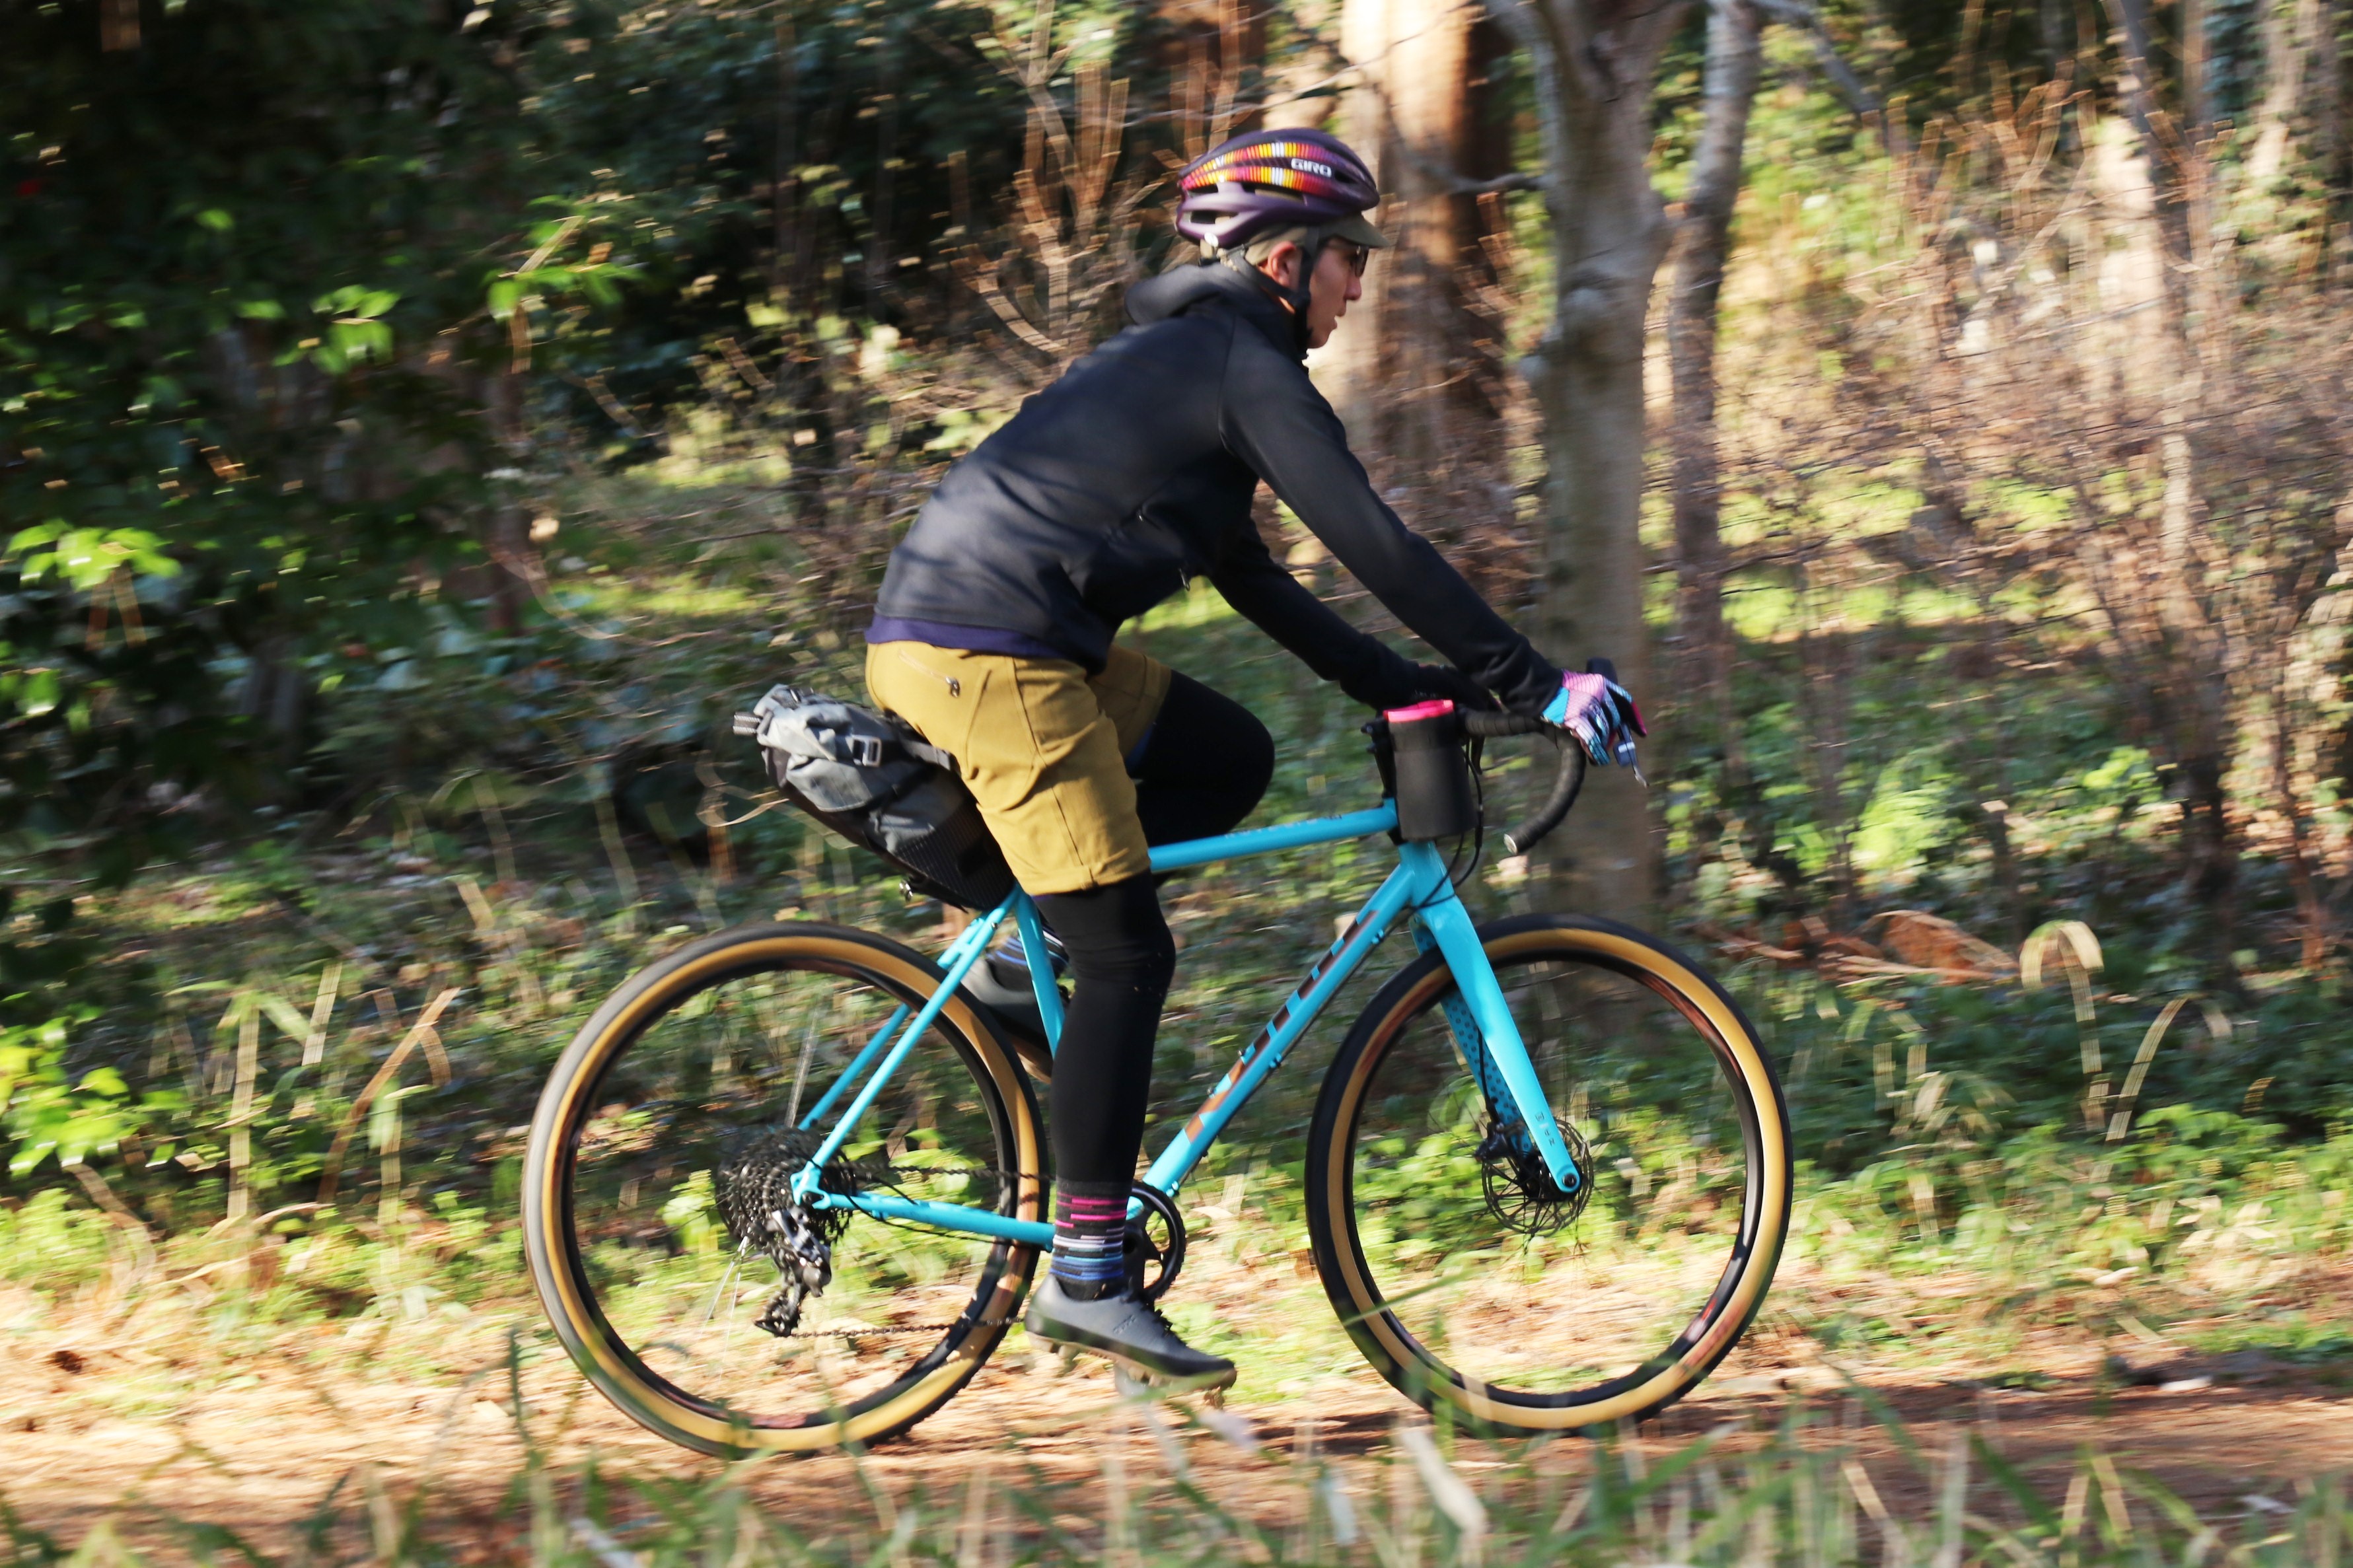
(1091, 1238)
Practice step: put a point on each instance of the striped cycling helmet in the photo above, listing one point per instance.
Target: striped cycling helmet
(1272, 179)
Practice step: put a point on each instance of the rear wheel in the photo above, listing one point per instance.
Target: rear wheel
(1470, 1283)
(658, 1212)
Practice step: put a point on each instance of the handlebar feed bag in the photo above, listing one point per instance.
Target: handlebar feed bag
(1436, 797)
(871, 780)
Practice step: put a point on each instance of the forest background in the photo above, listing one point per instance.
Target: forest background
(421, 425)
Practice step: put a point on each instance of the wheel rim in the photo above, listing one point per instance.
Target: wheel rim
(661, 1295)
(1628, 1305)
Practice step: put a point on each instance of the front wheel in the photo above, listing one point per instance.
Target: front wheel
(1463, 1277)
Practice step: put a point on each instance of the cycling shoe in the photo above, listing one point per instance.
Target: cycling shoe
(1131, 1332)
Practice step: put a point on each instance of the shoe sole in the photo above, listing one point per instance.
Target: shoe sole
(1131, 1383)
(1165, 1381)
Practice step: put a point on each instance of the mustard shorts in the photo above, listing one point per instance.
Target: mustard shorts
(1043, 745)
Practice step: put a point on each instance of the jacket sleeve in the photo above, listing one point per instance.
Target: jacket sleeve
(1366, 669)
(1275, 420)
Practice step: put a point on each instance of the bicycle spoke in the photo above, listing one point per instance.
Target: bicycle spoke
(712, 1271)
(1465, 1267)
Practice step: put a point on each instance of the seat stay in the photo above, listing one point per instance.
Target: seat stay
(1457, 936)
(858, 1064)
(962, 956)
(956, 960)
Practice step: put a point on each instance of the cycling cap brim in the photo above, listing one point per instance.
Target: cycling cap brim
(1358, 229)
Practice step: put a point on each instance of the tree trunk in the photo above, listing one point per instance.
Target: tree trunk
(2333, 92)
(1733, 61)
(881, 263)
(2187, 651)
(2137, 88)
(2058, 29)
(1411, 115)
(784, 189)
(1593, 65)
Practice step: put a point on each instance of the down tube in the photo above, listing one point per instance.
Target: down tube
(1406, 886)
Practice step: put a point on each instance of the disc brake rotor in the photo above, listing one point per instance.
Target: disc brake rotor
(1519, 1188)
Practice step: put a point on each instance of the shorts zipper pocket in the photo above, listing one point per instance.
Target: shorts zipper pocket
(956, 687)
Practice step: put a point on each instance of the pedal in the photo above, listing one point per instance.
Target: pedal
(1065, 1358)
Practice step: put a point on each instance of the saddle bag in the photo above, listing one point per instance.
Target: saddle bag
(870, 779)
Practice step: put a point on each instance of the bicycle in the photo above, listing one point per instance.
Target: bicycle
(1542, 1239)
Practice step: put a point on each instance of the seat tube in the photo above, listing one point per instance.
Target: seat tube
(1449, 925)
(1041, 968)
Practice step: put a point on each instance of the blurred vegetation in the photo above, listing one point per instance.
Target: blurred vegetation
(423, 425)
(1802, 1494)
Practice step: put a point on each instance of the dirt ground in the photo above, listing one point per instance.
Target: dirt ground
(141, 1417)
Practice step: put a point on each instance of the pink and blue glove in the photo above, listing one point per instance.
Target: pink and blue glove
(1602, 716)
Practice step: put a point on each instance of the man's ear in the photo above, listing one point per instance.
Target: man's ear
(1282, 264)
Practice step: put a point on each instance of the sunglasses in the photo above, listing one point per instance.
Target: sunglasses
(1356, 255)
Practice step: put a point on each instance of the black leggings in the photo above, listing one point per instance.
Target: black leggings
(1199, 772)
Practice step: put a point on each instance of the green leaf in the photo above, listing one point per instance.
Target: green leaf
(104, 1080)
(39, 534)
(86, 557)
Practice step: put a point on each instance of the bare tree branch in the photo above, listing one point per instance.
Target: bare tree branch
(1860, 100)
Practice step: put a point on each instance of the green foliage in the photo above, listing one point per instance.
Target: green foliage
(46, 1112)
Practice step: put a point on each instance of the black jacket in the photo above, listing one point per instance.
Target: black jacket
(1134, 473)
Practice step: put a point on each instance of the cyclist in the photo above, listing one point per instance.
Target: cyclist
(1102, 497)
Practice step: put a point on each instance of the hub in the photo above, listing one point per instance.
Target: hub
(1520, 1191)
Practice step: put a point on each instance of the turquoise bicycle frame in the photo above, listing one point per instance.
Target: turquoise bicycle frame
(1481, 1019)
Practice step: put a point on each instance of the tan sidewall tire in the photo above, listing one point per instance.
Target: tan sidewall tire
(1407, 1365)
(555, 1266)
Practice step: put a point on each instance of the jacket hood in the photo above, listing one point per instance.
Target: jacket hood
(1208, 283)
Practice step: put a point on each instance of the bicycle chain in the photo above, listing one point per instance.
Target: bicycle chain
(878, 1333)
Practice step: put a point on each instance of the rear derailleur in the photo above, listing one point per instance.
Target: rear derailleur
(757, 1200)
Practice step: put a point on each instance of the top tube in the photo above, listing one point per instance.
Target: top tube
(1267, 840)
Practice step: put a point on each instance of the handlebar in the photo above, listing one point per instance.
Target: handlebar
(1564, 785)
